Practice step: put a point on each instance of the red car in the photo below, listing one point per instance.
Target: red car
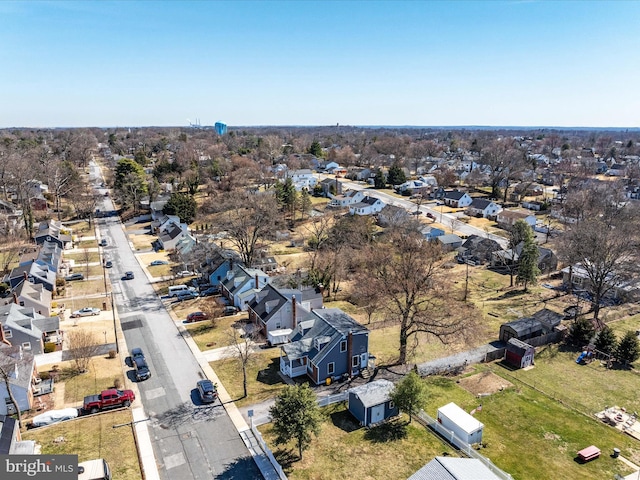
(196, 317)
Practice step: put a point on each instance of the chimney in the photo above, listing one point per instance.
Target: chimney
(349, 353)
(293, 312)
(257, 286)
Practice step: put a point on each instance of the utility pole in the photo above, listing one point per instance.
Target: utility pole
(466, 281)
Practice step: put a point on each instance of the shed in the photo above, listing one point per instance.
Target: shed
(451, 468)
(518, 353)
(450, 241)
(463, 425)
(371, 403)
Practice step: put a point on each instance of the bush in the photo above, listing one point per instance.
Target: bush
(112, 354)
(117, 383)
(48, 348)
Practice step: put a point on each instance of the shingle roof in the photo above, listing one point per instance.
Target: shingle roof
(373, 393)
(451, 468)
(454, 195)
(480, 203)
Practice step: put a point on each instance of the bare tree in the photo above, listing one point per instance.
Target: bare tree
(9, 363)
(242, 346)
(83, 346)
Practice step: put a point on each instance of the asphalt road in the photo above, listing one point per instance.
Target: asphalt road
(190, 440)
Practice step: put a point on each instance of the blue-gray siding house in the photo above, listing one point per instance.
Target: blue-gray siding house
(326, 345)
(371, 403)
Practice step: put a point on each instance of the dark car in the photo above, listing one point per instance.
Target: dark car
(103, 242)
(188, 295)
(136, 353)
(108, 264)
(431, 216)
(230, 310)
(74, 276)
(142, 369)
(207, 391)
(158, 262)
(128, 276)
(214, 290)
(197, 316)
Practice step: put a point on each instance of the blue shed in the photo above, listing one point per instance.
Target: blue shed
(371, 403)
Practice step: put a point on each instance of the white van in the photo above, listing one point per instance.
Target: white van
(176, 289)
(94, 470)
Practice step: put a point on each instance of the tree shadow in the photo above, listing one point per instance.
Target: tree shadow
(270, 375)
(387, 432)
(344, 421)
(507, 295)
(188, 413)
(240, 469)
(286, 457)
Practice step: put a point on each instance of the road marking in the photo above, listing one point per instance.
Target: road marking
(155, 393)
(174, 460)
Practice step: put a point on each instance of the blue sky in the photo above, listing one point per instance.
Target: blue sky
(140, 63)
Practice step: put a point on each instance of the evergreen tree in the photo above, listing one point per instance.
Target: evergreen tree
(183, 205)
(606, 341)
(295, 416)
(628, 350)
(528, 270)
(379, 181)
(396, 175)
(304, 203)
(315, 149)
(410, 394)
(286, 195)
(581, 332)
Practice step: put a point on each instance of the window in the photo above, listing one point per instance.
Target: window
(331, 368)
(392, 405)
(278, 325)
(343, 346)
(355, 361)
(7, 332)
(26, 345)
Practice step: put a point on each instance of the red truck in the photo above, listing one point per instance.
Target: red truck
(111, 398)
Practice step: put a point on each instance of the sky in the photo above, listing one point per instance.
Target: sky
(245, 63)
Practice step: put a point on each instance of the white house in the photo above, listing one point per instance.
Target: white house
(302, 179)
(507, 218)
(457, 199)
(241, 285)
(481, 207)
(368, 206)
(350, 197)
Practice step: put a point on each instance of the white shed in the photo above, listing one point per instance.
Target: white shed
(277, 337)
(465, 426)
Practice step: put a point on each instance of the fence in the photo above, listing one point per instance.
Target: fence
(329, 399)
(267, 451)
(463, 446)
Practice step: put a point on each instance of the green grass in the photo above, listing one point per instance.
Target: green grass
(204, 333)
(101, 375)
(343, 450)
(263, 381)
(91, 438)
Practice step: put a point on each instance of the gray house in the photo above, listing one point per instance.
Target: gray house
(23, 327)
(326, 345)
(21, 367)
(451, 468)
(371, 403)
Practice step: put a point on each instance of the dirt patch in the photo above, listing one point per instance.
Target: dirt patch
(484, 383)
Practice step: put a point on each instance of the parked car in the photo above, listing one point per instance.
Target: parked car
(108, 264)
(214, 290)
(207, 391)
(142, 369)
(136, 353)
(185, 273)
(74, 276)
(197, 316)
(189, 295)
(112, 398)
(158, 262)
(86, 312)
(128, 276)
(103, 242)
(431, 216)
(230, 310)
(54, 416)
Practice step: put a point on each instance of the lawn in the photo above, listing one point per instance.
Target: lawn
(263, 381)
(93, 437)
(393, 451)
(207, 336)
(79, 288)
(101, 375)
(81, 258)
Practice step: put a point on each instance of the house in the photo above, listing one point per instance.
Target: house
(302, 179)
(331, 166)
(533, 205)
(219, 263)
(33, 272)
(326, 345)
(368, 206)
(465, 426)
(621, 289)
(371, 403)
(11, 442)
(266, 264)
(457, 199)
(454, 468)
(168, 239)
(47, 253)
(360, 174)
(481, 207)
(617, 170)
(350, 197)
(508, 218)
(33, 295)
(477, 249)
(411, 186)
(331, 187)
(273, 309)
(392, 215)
(431, 233)
(540, 323)
(185, 244)
(156, 209)
(518, 353)
(547, 259)
(241, 285)
(21, 367)
(449, 241)
(53, 231)
(164, 222)
(24, 327)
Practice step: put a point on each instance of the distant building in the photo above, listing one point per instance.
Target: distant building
(221, 128)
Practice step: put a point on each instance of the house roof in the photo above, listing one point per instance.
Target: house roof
(480, 203)
(518, 346)
(267, 302)
(524, 326)
(449, 238)
(171, 233)
(514, 214)
(12, 357)
(373, 393)
(452, 468)
(7, 433)
(454, 195)
(35, 291)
